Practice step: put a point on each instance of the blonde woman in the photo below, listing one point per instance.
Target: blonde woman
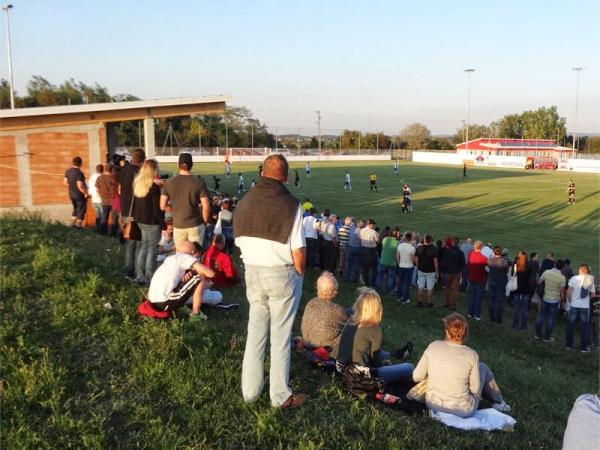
(148, 215)
(455, 380)
(360, 342)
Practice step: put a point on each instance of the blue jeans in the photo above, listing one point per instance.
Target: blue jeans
(98, 214)
(274, 294)
(581, 315)
(496, 301)
(390, 274)
(520, 314)
(475, 298)
(132, 250)
(146, 258)
(405, 275)
(395, 373)
(548, 312)
(352, 264)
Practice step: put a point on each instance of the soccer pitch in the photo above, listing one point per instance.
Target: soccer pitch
(516, 209)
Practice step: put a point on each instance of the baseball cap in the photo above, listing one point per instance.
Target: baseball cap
(185, 159)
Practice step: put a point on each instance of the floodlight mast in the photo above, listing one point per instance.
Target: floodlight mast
(319, 129)
(468, 72)
(6, 9)
(578, 70)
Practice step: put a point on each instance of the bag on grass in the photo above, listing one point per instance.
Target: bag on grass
(358, 380)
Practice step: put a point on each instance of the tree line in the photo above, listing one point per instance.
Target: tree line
(237, 127)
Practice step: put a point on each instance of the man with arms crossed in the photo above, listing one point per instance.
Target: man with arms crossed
(186, 193)
(268, 229)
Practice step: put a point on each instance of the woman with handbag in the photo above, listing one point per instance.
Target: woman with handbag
(149, 217)
(522, 269)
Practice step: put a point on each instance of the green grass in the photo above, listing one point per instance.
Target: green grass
(75, 374)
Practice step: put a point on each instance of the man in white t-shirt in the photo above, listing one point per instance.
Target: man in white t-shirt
(329, 244)
(179, 277)
(405, 256)
(96, 200)
(309, 225)
(578, 295)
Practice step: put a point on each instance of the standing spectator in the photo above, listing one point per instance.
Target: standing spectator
(343, 240)
(554, 293)
(187, 193)
(96, 200)
(150, 218)
(427, 261)
(547, 263)
(405, 256)
(126, 177)
(522, 294)
(106, 188)
(368, 253)
(567, 271)
(476, 265)
(309, 225)
(75, 182)
(307, 205)
(533, 276)
(354, 252)
(578, 294)
(329, 244)
(498, 266)
(268, 230)
(387, 262)
(465, 248)
(453, 263)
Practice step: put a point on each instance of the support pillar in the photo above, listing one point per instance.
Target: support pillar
(23, 166)
(149, 143)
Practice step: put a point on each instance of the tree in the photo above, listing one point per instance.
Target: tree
(415, 135)
(475, 132)
(544, 123)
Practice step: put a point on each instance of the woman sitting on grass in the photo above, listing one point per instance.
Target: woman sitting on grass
(360, 342)
(455, 379)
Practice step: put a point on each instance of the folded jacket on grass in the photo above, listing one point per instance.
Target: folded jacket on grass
(484, 419)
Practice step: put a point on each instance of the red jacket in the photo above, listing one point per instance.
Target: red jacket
(222, 264)
(476, 267)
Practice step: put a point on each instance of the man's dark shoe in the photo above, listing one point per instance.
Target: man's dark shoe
(294, 401)
(404, 352)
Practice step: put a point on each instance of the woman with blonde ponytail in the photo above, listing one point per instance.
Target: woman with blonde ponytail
(148, 215)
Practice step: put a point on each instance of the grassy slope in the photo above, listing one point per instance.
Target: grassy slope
(76, 374)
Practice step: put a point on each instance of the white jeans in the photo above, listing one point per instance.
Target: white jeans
(274, 294)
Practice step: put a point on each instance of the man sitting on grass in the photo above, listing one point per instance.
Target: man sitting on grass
(179, 277)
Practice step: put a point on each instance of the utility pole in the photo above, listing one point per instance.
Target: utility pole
(298, 141)
(140, 134)
(341, 131)
(226, 137)
(319, 129)
(6, 9)
(252, 135)
(578, 70)
(468, 72)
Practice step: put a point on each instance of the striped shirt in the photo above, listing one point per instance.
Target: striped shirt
(369, 237)
(344, 235)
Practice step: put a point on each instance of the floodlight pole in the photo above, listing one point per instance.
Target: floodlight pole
(6, 9)
(578, 70)
(319, 129)
(468, 72)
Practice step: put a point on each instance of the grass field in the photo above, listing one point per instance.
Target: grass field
(75, 374)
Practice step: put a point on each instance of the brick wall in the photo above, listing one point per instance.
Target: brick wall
(51, 154)
(10, 194)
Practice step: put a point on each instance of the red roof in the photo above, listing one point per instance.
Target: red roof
(511, 144)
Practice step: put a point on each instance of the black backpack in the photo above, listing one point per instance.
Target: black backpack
(358, 380)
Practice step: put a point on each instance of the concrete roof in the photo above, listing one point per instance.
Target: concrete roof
(114, 106)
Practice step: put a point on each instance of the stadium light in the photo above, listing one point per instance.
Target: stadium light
(468, 72)
(578, 70)
(6, 9)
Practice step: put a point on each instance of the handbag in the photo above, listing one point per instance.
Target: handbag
(512, 283)
(131, 230)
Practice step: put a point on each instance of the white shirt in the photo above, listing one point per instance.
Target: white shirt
(577, 282)
(487, 252)
(309, 223)
(406, 252)
(92, 188)
(347, 178)
(240, 180)
(266, 253)
(328, 231)
(168, 276)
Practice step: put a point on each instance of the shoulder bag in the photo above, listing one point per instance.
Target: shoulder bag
(131, 230)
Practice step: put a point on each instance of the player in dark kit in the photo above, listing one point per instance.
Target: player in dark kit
(571, 192)
(406, 200)
(464, 171)
(296, 179)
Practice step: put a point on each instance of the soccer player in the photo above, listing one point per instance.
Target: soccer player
(347, 182)
(227, 169)
(406, 199)
(296, 179)
(571, 192)
(240, 183)
(373, 181)
(308, 169)
(396, 167)
(464, 171)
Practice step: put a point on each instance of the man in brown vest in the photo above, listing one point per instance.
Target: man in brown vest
(268, 229)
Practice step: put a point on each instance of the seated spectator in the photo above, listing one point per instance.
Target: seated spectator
(455, 379)
(583, 432)
(221, 263)
(360, 342)
(323, 319)
(179, 277)
(166, 245)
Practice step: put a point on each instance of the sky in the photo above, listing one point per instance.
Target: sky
(369, 65)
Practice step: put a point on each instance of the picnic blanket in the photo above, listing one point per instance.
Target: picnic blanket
(484, 419)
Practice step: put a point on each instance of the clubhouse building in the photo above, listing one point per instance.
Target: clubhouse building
(513, 147)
